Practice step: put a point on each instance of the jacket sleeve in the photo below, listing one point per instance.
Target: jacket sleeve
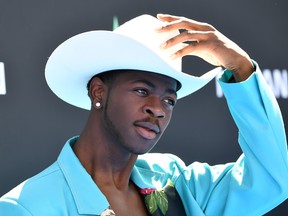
(9, 207)
(257, 182)
(254, 184)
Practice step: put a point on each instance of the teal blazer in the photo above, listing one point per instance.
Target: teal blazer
(253, 185)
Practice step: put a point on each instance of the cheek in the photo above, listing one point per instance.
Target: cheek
(166, 121)
(121, 112)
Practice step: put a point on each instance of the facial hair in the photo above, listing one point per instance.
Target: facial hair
(118, 138)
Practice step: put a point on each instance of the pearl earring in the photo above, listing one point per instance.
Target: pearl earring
(98, 105)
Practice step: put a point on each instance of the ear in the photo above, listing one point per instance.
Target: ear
(97, 90)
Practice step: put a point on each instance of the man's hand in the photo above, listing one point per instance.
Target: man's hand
(204, 41)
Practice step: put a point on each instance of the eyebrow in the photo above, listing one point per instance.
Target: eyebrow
(151, 85)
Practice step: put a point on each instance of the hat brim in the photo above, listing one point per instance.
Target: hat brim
(74, 62)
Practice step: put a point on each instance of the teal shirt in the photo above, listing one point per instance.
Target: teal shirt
(253, 185)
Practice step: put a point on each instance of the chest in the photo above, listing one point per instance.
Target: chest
(148, 201)
(125, 204)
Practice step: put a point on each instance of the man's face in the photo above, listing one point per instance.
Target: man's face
(138, 109)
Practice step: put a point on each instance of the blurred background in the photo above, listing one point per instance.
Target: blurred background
(35, 124)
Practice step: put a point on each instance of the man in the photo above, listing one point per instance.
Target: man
(134, 80)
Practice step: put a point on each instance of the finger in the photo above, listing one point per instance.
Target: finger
(177, 22)
(168, 17)
(188, 37)
(198, 50)
(190, 49)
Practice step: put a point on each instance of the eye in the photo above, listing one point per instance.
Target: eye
(141, 92)
(170, 101)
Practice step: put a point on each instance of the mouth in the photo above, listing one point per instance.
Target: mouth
(147, 130)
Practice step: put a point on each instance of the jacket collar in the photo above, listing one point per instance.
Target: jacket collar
(88, 197)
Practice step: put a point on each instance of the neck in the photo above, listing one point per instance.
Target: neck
(107, 165)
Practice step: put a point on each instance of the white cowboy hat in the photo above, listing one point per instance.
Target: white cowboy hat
(134, 45)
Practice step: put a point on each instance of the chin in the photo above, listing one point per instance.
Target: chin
(141, 153)
(141, 146)
(143, 150)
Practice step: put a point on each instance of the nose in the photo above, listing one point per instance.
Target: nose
(154, 109)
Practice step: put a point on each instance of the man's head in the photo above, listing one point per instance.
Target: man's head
(136, 107)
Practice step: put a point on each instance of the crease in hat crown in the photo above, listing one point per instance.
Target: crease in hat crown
(134, 45)
(144, 30)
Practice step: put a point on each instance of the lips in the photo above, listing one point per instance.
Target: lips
(147, 130)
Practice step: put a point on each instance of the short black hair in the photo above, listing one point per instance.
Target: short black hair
(108, 76)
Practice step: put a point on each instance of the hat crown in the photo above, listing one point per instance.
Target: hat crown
(135, 45)
(144, 30)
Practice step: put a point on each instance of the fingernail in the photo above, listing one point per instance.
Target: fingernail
(173, 57)
(158, 29)
(163, 45)
(159, 14)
